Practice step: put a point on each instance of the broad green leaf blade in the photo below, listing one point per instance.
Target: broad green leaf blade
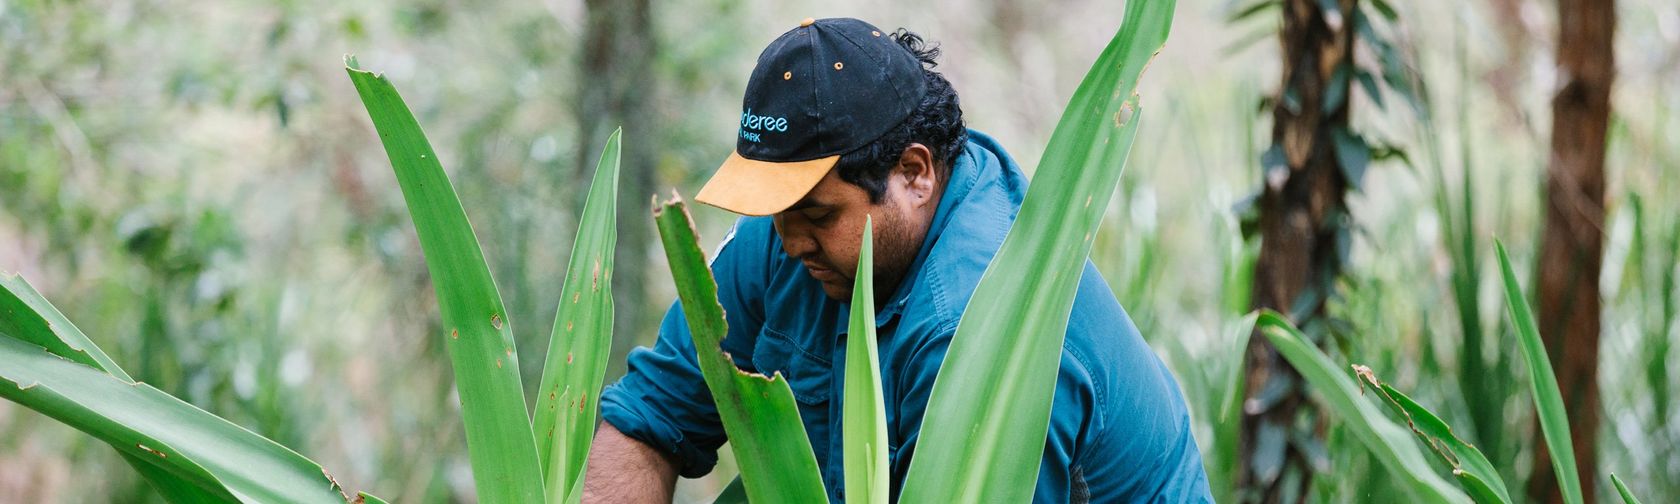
(1008, 344)
(759, 414)
(221, 460)
(865, 422)
(480, 339)
(1548, 401)
(367, 498)
(1234, 379)
(1468, 464)
(1622, 489)
(564, 421)
(1478, 489)
(175, 489)
(27, 315)
(1388, 441)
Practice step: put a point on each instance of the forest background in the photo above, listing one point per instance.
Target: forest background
(197, 185)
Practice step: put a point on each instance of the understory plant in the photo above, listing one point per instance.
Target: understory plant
(1478, 479)
(190, 455)
(1006, 350)
(1010, 340)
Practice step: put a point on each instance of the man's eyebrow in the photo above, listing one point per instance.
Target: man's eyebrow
(806, 203)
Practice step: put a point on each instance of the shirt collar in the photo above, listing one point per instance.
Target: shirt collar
(965, 172)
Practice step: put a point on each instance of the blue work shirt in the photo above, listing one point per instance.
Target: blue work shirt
(1119, 429)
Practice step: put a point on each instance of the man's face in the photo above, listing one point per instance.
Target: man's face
(825, 229)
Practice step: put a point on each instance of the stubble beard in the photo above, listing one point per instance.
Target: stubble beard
(896, 246)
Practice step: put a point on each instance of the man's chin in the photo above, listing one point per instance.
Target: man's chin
(841, 293)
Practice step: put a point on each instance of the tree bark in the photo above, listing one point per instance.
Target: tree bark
(1571, 252)
(1303, 221)
(617, 72)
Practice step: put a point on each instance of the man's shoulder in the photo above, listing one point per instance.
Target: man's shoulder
(1102, 337)
(748, 240)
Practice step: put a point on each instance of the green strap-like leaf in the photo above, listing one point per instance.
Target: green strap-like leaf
(868, 477)
(1622, 489)
(1007, 348)
(203, 455)
(1387, 440)
(1234, 379)
(479, 338)
(1468, 464)
(759, 414)
(367, 498)
(29, 317)
(578, 348)
(1548, 401)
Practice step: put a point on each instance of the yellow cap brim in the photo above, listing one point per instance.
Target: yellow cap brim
(752, 187)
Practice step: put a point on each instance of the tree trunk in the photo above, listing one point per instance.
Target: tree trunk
(617, 68)
(1571, 251)
(1303, 233)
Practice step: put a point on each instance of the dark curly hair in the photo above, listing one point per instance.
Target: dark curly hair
(936, 122)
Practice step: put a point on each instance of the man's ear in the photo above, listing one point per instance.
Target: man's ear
(916, 171)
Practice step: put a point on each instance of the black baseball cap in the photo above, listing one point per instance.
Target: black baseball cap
(820, 90)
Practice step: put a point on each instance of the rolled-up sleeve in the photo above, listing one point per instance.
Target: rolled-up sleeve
(663, 400)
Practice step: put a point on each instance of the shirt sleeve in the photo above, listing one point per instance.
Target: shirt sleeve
(915, 383)
(663, 400)
(1147, 453)
(1138, 446)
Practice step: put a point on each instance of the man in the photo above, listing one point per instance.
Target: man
(841, 121)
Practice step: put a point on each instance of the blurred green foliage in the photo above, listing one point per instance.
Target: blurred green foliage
(193, 183)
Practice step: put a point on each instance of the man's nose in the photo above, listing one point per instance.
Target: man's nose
(796, 236)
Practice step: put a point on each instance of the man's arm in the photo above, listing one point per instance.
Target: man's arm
(659, 421)
(622, 469)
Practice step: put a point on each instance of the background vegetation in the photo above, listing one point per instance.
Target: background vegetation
(196, 185)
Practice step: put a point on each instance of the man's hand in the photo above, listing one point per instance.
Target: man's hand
(622, 469)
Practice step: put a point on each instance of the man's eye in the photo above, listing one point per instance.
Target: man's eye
(819, 216)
